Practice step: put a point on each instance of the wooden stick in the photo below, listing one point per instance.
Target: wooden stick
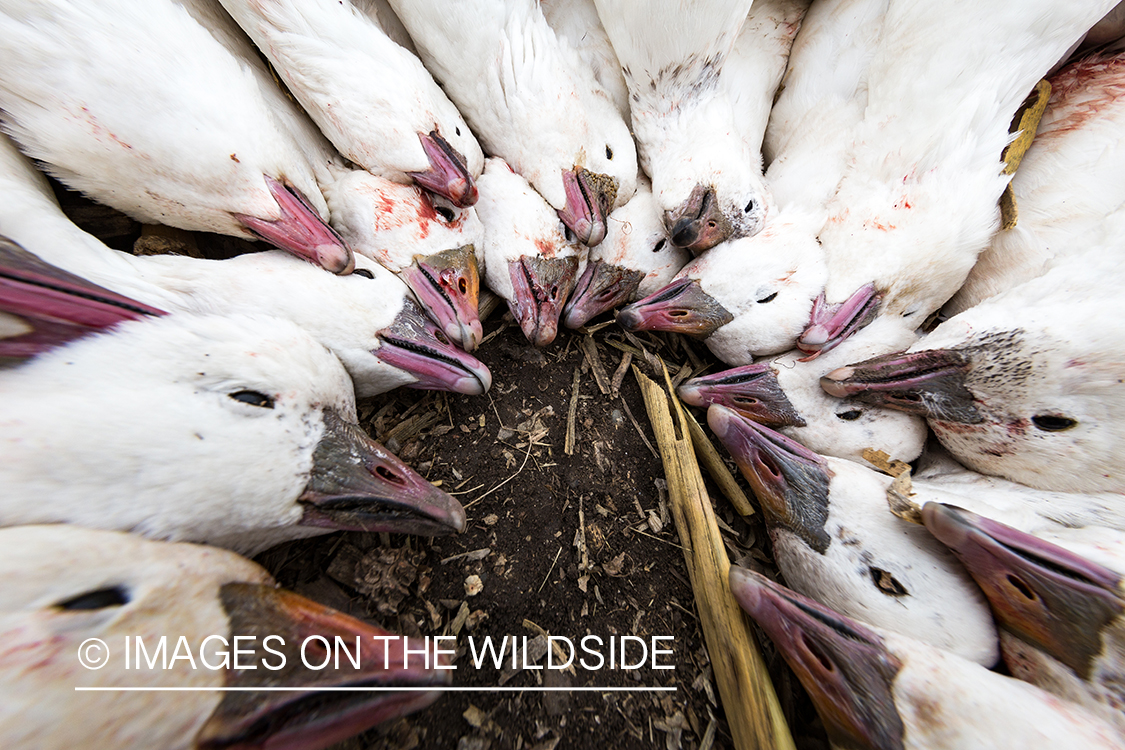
(752, 709)
(713, 462)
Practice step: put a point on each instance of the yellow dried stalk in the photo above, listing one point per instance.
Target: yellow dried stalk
(751, 705)
(707, 454)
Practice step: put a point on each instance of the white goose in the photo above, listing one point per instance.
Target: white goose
(529, 261)
(942, 88)
(843, 428)
(706, 172)
(875, 689)
(373, 99)
(67, 584)
(577, 25)
(835, 540)
(434, 247)
(634, 260)
(190, 142)
(1060, 614)
(746, 298)
(532, 101)
(233, 430)
(1066, 185)
(367, 319)
(1020, 386)
(753, 297)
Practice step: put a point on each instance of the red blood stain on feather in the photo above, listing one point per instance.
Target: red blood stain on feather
(1084, 88)
(546, 248)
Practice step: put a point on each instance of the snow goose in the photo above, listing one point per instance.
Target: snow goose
(190, 142)
(753, 297)
(843, 428)
(529, 261)
(835, 540)
(373, 99)
(752, 390)
(875, 689)
(919, 197)
(745, 298)
(1066, 184)
(532, 101)
(233, 430)
(1060, 614)
(67, 584)
(577, 25)
(1020, 386)
(366, 319)
(432, 246)
(634, 260)
(706, 174)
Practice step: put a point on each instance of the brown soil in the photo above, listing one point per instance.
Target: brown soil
(570, 545)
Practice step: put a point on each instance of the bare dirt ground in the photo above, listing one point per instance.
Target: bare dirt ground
(566, 544)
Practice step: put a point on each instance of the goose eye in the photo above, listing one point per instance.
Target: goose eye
(364, 272)
(659, 245)
(1053, 422)
(446, 213)
(99, 599)
(770, 298)
(850, 416)
(254, 398)
(749, 207)
(457, 130)
(608, 152)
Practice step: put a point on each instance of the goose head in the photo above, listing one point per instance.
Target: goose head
(709, 184)
(226, 162)
(237, 430)
(836, 541)
(68, 585)
(449, 174)
(433, 246)
(528, 259)
(748, 297)
(846, 668)
(633, 260)
(587, 167)
(752, 391)
(875, 689)
(1011, 391)
(368, 319)
(845, 428)
(1057, 602)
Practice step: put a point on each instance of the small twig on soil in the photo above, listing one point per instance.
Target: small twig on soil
(590, 352)
(572, 413)
(474, 554)
(525, 457)
(550, 570)
(713, 462)
(639, 430)
(466, 492)
(619, 374)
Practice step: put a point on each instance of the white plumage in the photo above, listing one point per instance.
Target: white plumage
(835, 541)
(66, 585)
(171, 128)
(373, 99)
(532, 101)
(353, 316)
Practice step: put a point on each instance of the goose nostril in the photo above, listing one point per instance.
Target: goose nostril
(386, 474)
